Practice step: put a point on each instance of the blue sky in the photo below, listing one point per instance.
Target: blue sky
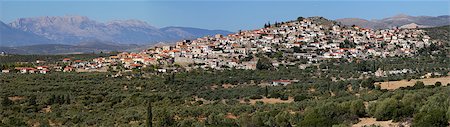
(219, 14)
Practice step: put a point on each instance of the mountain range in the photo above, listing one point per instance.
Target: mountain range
(72, 30)
(13, 37)
(400, 20)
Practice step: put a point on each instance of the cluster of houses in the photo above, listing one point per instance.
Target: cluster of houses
(66, 65)
(305, 39)
(38, 69)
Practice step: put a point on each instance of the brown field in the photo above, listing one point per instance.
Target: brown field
(372, 121)
(269, 100)
(392, 85)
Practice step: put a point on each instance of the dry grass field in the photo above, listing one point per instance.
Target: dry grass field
(392, 85)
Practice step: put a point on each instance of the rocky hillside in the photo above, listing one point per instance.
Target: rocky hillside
(439, 33)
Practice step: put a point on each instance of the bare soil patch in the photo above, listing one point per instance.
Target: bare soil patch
(213, 87)
(231, 116)
(226, 86)
(312, 90)
(134, 123)
(33, 123)
(201, 118)
(201, 99)
(372, 121)
(16, 98)
(47, 109)
(54, 123)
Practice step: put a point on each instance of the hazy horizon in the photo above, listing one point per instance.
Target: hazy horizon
(223, 15)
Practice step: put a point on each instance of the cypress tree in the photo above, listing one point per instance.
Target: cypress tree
(51, 100)
(68, 99)
(149, 114)
(32, 100)
(267, 92)
(57, 99)
(173, 78)
(6, 102)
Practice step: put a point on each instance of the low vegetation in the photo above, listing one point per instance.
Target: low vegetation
(328, 94)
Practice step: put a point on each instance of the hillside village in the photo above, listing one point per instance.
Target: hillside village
(307, 72)
(301, 42)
